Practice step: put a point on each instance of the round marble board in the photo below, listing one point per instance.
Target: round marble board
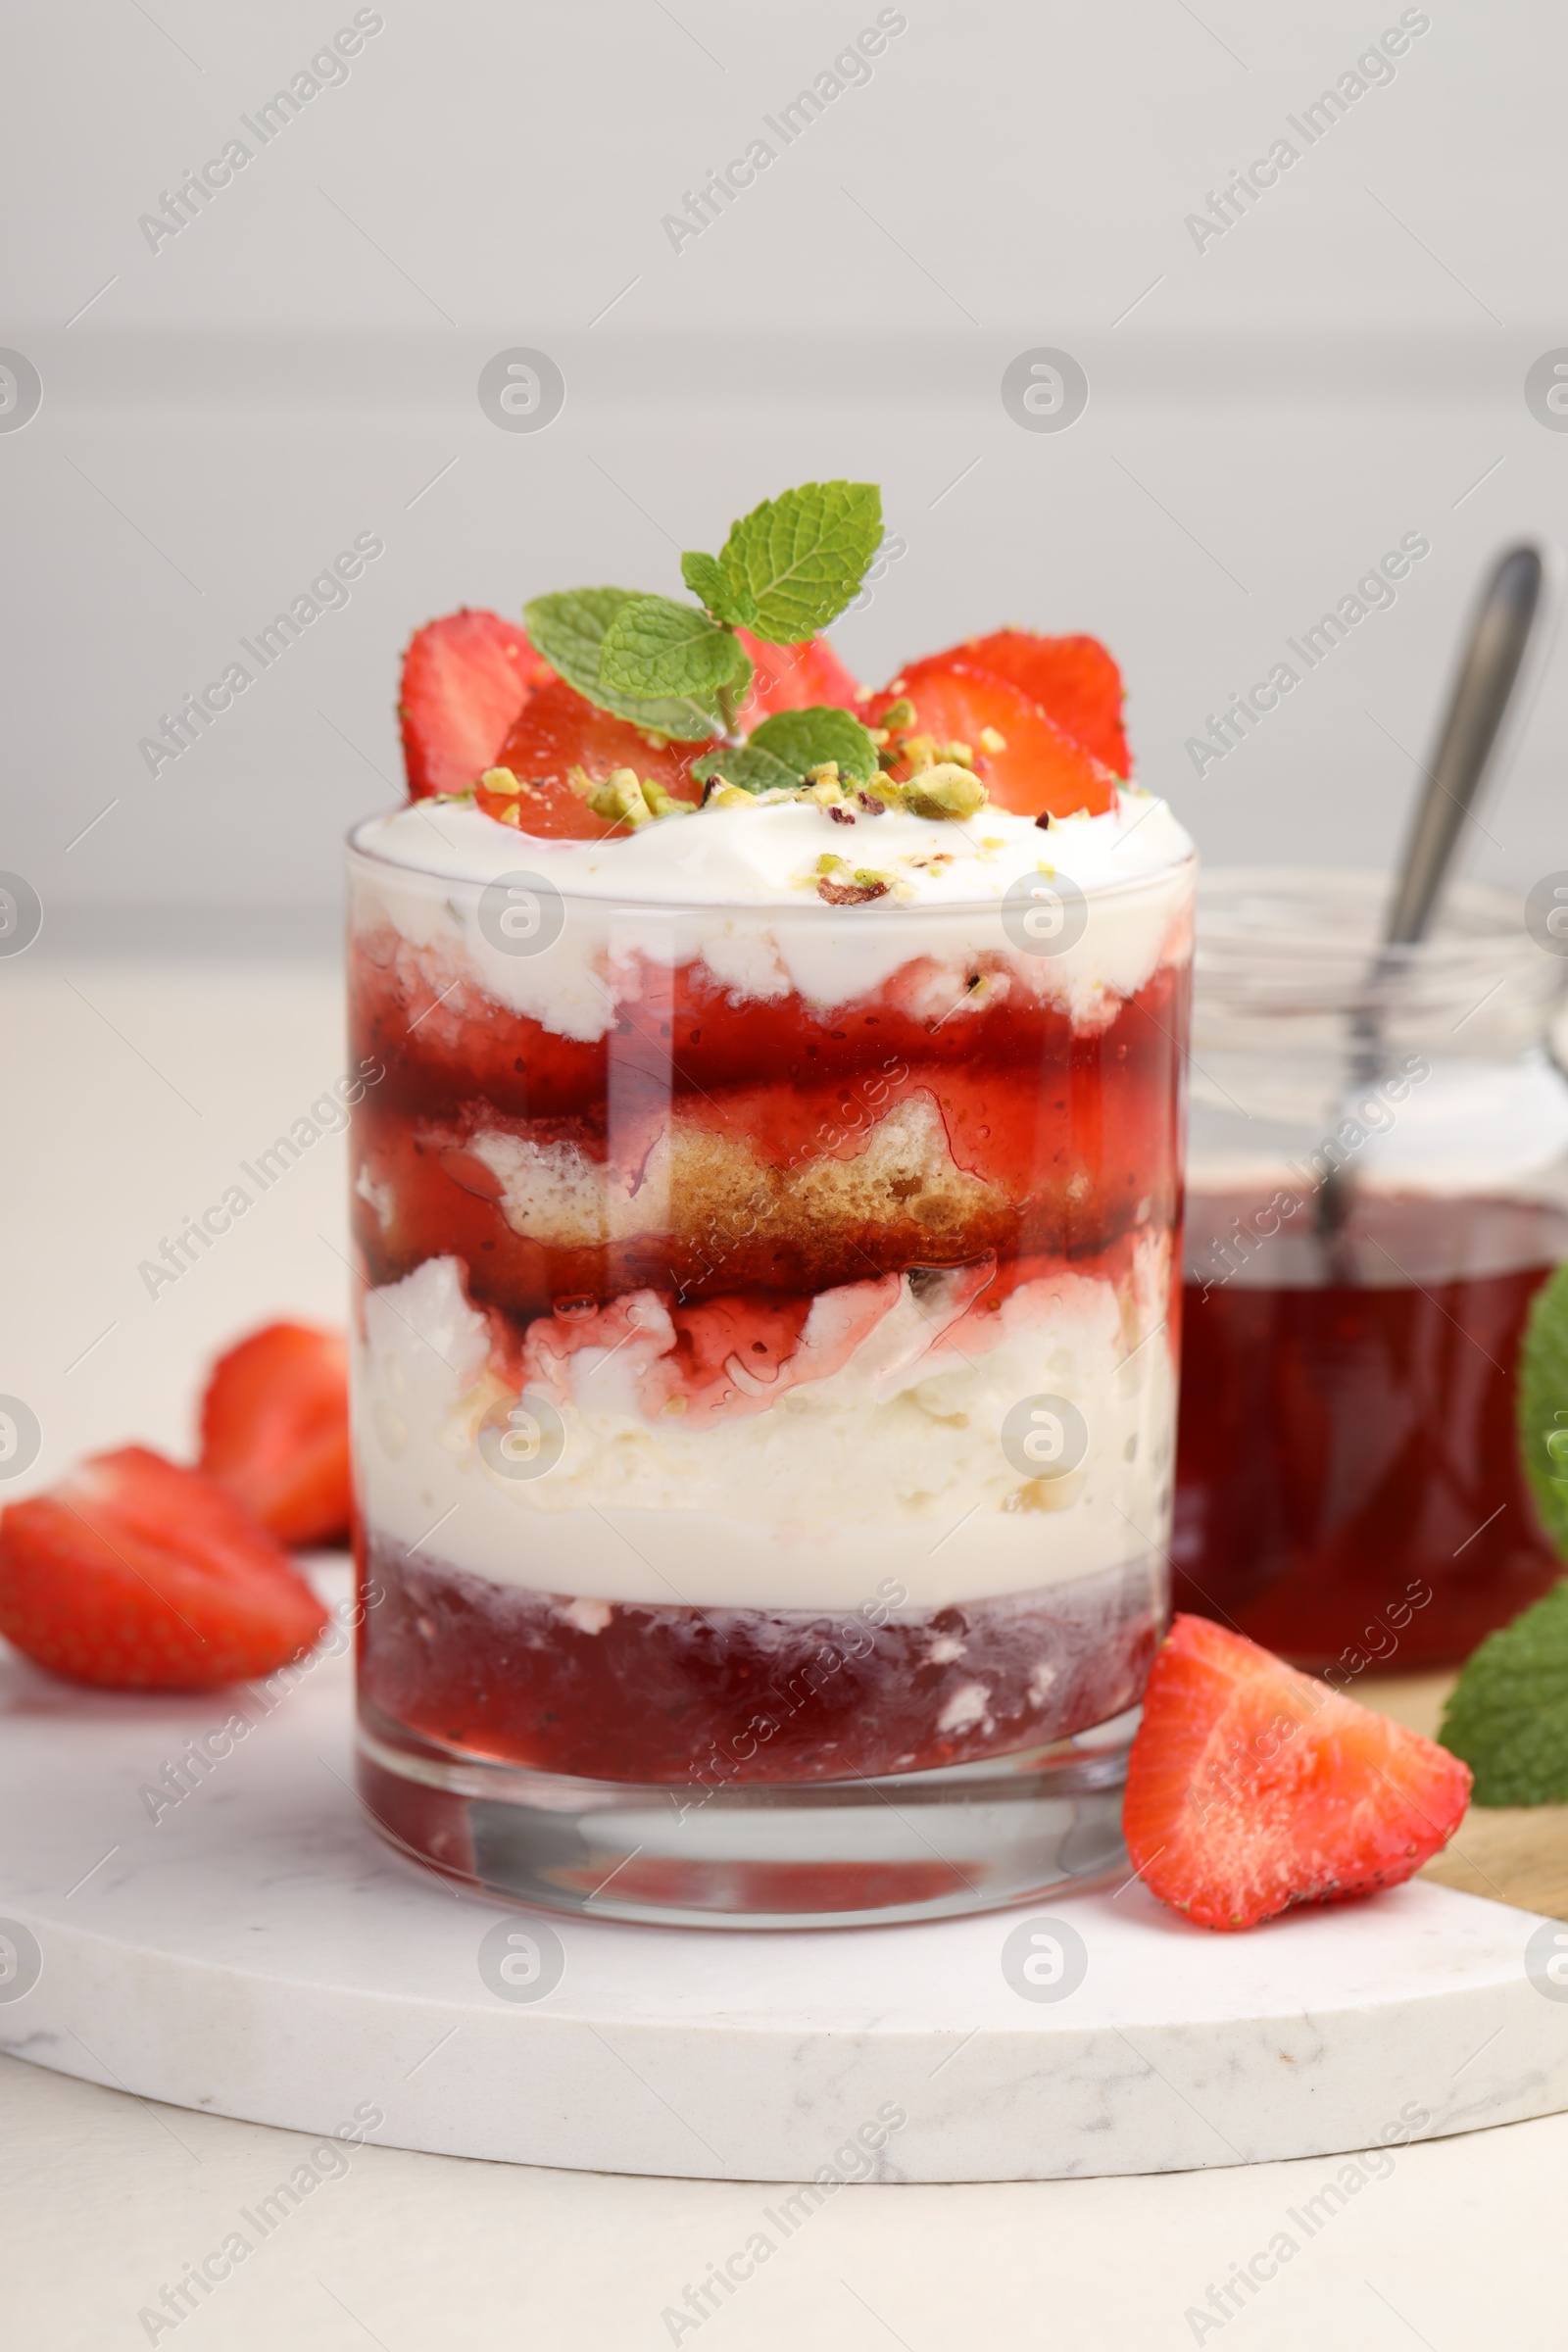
(257, 1950)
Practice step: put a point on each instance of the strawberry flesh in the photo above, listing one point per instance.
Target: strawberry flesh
(560, 730)
(1252, 1788)
(464, 680)
(1038, 772)
(136, 1575)
(794, 677)
(1073, 680)
(275, 1430)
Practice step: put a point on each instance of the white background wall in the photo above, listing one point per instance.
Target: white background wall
(1266, 416)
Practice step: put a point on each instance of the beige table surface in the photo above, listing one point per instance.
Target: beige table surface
(131, 1095)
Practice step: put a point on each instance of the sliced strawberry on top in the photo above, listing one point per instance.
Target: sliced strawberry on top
(1251, 1786)
(794, 677)
(136, 1575)
(276, 1430)
(1038, 769)
(465, 679)
(1073, 680)
(559, 731)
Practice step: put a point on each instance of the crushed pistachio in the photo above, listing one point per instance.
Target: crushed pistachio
(723, 795)
(621, 798)
(992, 740)
(900, 713)
(499, 780)
(920, 750)
(944, 789)
(663, 802)
(826, 771)
(853, 888)
(959, 753)
(878, 735)
(512, 814)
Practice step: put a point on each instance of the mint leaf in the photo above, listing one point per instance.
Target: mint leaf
(801, 557)
(747, 767)
(569, 629)
(653, 647)
(1543, 1405)
(711, 584)
(1507, 1718)
(783, 749)
(804, 738)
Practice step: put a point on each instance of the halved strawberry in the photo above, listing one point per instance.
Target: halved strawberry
(1037, 769)
(465, 679)
(136, 1575)
(1073, 680)
(1251, 1786)
(276, 1430)
(794, 677)
(559, 731)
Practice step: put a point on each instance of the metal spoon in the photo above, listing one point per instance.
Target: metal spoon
(1489, 671)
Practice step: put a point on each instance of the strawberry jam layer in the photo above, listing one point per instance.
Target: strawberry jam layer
(709, 1146)
(687, 1697)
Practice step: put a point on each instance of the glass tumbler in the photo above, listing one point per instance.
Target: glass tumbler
(764, 1388)
(1377, 1186)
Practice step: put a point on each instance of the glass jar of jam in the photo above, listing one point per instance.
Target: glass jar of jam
(1377, 1185)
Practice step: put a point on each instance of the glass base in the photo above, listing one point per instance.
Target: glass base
(826, 1854)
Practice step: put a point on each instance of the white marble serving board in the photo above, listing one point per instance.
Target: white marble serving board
(260, 1952)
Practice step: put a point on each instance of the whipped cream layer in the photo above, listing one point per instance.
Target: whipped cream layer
(873, 1453)
(735, 889)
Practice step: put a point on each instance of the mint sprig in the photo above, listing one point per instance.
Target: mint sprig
(788, 569)
(1508, 1716)
(783, 749)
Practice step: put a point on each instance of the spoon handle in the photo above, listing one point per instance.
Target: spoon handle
(1467, 737)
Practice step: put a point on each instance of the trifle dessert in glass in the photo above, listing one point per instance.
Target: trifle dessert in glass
(765, 1379)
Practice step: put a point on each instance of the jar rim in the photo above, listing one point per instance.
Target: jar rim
(1308, 939)
(1274, 910)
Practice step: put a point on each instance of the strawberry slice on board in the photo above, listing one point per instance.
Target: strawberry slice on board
(136, 1575)
(1252, 1788)
(275, 1430)
(794, 677)
(559, 731)
(465, 679)
(1073, 680)
(1036, 769)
